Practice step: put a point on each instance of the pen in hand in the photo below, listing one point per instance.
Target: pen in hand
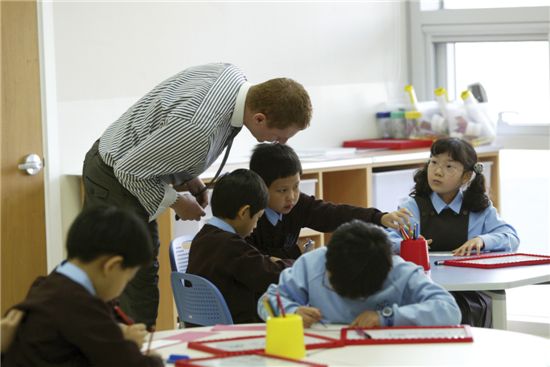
(151, 333)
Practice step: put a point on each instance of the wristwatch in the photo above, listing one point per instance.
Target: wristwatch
(387, 315)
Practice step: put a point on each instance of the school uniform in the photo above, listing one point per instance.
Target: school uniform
(238, 269)
(449, 226)
(414, 299)
(277, 234)
(66, 324)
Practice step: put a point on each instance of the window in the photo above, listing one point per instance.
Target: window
(506, 49)
(522, 90)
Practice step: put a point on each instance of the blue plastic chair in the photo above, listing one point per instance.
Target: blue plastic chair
(179, 253)
(198, 301)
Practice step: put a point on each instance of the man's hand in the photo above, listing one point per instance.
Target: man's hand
(197, 188)
(187, 208)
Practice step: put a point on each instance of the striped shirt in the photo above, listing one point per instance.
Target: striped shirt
(175, 132)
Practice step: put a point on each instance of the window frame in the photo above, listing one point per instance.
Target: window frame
(429, 30)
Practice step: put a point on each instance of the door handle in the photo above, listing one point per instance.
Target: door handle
(32, 165)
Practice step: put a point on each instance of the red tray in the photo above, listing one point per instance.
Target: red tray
(388, 143)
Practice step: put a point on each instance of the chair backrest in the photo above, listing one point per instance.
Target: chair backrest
(198, 301)
(179, 252)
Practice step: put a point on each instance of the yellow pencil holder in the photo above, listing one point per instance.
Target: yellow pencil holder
(285, 336)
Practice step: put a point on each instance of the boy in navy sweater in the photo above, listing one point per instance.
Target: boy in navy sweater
(289, 210)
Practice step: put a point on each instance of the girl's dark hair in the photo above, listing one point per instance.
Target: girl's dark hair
(358, 258)
(475, 197)
(108, 230)
(237, 189)
(273, 161)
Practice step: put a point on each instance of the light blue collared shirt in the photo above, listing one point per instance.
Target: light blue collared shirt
(221, 224)
(496, 234)
(77, 275)
(272, 216)
(414, 298)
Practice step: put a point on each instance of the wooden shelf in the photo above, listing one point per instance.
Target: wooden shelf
(344, 181)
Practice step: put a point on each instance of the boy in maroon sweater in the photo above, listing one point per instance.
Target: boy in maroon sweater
(66, 319)
(289, 210)
(219, 252)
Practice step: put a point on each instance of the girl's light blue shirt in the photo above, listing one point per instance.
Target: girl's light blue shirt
(496, 234)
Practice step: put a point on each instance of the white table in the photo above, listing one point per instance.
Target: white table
(491, 347)
(493, 282)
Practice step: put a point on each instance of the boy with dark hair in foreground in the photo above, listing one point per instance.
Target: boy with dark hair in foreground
(67, 321)
(219, 252)
(355, 280)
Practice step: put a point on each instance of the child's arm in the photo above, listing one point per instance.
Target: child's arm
(397, 218)
(292, 288)
(496, 234)
(412, 208)
(423, 302)
(9, 325)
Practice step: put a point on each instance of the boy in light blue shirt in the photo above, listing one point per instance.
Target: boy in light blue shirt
(355, 280)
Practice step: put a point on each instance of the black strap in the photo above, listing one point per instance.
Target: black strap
(234, 132)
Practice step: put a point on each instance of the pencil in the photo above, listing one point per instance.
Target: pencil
(151, 333)
(268, 307)
(403, 233)
(125, 318)
(280, 304)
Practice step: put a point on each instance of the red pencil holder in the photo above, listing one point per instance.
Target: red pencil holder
(416, 251)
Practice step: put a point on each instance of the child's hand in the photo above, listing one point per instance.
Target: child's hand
(397, 218)
(135, 333)
(9, 325)
(310, 315)
(306, 245)
(274, 259)
(366, 319)
(468, 246)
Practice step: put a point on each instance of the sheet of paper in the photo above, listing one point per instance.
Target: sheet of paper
(190, 336)
(157, 344)
(232, 345)
(247, 360)
(404, 334)
(238, 328)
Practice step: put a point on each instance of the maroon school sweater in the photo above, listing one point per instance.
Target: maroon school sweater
(280, 240)
(238, 269)
(65, 325)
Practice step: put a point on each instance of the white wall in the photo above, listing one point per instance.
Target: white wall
(349, 56)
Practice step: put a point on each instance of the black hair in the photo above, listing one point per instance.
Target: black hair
(237, 189)
(108, 230)
(359, 258)
(273, 161)
(475, 196)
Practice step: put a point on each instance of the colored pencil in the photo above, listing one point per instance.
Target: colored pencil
(280, 304)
